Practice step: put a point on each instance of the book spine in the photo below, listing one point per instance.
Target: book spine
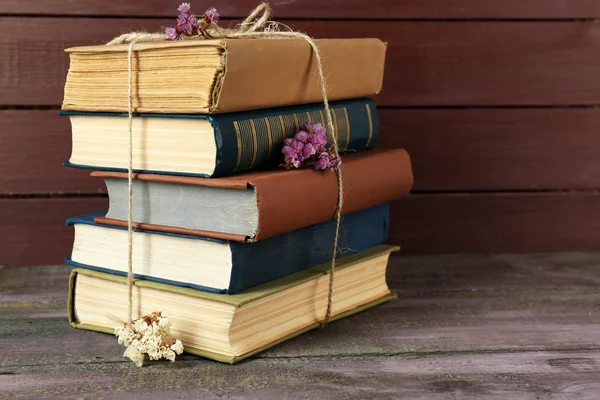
(302, 197)
(264, 261)
(253, 140)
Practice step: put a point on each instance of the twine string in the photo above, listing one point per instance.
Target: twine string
(130, 186)
(256, 26)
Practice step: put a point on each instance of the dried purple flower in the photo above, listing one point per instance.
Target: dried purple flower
(173, 34)
(212, 16)
(292, 150)
(334, 163)
(327, 161)
(317, 135)
(319, 141)
(184, 8)
(302, 136)
(315, 129)
(309, 145)
(323, 162)
(308, 150)
(187, 23)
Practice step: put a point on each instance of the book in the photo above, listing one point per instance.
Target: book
(218, 76)
(211, 145)
(229, 328)
(221, 266)
(257, 205)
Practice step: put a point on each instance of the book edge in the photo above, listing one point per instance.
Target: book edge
(90, 219)
(146, 46)
(173, 230)
(266, 289)
(387, 297)
(234, 359)
(108, 170)
(207, 289)
(243, 180)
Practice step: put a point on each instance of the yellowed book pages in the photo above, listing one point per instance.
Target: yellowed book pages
(218, 76)
(229, 328)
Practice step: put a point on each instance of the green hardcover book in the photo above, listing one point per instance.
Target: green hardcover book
(229, 328)
(212, 145)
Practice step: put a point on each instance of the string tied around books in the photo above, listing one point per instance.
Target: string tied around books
(257, 25)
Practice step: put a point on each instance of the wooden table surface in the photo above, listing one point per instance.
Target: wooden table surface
(464, 326)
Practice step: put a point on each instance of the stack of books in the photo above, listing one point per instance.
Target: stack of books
(234, 247)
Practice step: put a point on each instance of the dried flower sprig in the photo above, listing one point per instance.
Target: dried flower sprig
(189, 25)
(309, 147)
(149, 335)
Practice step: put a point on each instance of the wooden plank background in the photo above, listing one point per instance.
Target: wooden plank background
(330, 9)
(462, 63)
(495, 101)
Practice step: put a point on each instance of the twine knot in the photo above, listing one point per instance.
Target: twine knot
(259, 20)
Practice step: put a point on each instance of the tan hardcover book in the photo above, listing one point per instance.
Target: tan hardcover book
(229, 328)
(218, 76)
(256, 205)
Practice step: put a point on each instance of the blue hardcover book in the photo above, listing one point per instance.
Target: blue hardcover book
(211, 145)
(220, 266)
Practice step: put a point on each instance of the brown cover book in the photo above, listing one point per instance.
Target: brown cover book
(264, 73)
(292, 199)
(284, 72)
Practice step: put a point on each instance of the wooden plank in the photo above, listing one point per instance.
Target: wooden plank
(33, 145)
(453, 150)
(417, 324)
(33, 230)
(379, 9)
(497, 149)
(536, 339)
(560, 374)
(458, 322)
(33, 287)
(428, 63)
(510, 222)
(462, 274)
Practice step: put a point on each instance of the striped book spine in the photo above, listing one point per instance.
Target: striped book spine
(252, 140)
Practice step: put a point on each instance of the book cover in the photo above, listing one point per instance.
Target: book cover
(230, 74)
(256, 263)
(287, 200)
(252, 140)
(312, 283)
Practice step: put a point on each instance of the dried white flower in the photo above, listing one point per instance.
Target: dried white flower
(177, 347)
(164, 323)
(135, 355)
(149, 335)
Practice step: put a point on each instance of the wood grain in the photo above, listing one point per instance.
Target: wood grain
(526, 222)
(33, 230)
(33, 145)
(428, 63)
(418, 328)
(537, 338)
(433, 318)
(379, 9)
(411, 276)
(561, 374)
(468, 274)
(497, 149)
(452, 150)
